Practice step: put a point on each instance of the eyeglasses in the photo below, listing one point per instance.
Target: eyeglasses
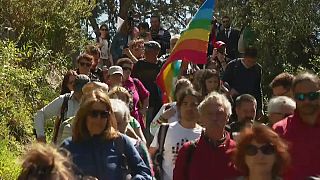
(252, 150)
(103, 29)
(126, 69)
(85, 64)
(97, 113)
(303, 96)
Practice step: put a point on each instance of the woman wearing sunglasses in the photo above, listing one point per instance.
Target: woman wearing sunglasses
(139, 93)
(261, 154)
(97, 147)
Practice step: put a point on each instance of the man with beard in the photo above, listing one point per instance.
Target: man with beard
(302, 130)
(246, 106)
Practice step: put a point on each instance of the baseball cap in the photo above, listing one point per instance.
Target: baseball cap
(80, 81)
(115, 70)
(219, 44)
(152, 45)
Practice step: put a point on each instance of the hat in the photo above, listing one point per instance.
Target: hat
(115, 70)
(152, 45)
(80, 81)
(89, 87)
(219, 44)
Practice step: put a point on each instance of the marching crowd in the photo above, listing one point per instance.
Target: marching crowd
(112, 123)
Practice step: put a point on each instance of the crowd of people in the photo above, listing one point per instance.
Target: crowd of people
(112, 123)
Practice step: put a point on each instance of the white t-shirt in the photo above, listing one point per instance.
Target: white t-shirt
(175, 138)
(105, 49)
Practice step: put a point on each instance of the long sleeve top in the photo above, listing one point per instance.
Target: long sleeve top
(101, 158)
(244, 80)
(54, 109)
(206, 162)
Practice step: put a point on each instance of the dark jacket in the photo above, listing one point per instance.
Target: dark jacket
(101, 158)
(231, 42)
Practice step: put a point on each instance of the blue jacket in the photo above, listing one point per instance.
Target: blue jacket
(100, 158)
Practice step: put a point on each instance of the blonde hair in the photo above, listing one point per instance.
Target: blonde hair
(80, 131)
(218, 98)
(89, 87)
(43, 161)
(117, 91)
(121, 109)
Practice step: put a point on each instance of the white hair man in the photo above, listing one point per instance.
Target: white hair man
(214, 146)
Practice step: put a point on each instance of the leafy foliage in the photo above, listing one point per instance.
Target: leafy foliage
(38, 39)
(286, 32)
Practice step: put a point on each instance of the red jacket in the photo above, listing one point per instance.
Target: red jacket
(207, 162)
(304, 146)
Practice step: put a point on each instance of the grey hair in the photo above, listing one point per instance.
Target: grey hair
(120, 108)
(281, 103)
(216, 97)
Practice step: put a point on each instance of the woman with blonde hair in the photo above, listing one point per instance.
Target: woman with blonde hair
(123, 94)
(97, 147)
(45, 162)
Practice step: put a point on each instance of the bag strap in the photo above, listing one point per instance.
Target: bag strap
(120, 148)
(162, 137)
(63, 110)
(191, 148)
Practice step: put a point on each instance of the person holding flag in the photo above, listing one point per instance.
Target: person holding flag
(191, 47)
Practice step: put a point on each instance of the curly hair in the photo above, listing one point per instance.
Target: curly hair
(43, 161)
(262, 134)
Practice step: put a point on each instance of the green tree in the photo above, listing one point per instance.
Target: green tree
(285, 32)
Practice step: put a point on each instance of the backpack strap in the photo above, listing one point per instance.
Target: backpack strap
(161, 140)
(190, 150)
(162, 137)
(63, 111)
(120, 148)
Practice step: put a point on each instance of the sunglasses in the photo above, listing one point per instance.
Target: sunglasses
(126, 68)
(97, 113)
(303, 96)
(252, 150)
(85, 64)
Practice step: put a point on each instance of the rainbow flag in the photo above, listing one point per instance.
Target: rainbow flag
(192, 47)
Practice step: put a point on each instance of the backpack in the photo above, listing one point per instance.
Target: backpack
(63, 111)
(158, 157)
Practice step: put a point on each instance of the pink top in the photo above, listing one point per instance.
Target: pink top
(139, 93)
(304, 145)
